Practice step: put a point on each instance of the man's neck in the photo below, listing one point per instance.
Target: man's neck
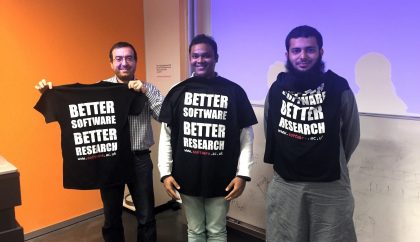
(125, 80)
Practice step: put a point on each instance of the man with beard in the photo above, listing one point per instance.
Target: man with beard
(123, 61)
(312, 128)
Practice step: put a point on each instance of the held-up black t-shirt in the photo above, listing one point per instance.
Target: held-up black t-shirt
(206, 117)
(95, 135)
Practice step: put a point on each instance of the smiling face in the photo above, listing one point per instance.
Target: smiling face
(123, 63)
(304, 53)
(203, 60)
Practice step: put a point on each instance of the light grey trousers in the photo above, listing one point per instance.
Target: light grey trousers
(206, 218)
(309, 212)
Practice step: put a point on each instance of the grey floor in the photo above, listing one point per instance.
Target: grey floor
(171, 227)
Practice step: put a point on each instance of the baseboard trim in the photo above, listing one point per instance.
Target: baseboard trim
(246, 228)
(63, 224)
(231, 222)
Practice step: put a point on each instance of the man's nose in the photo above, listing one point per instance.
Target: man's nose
(304, 54)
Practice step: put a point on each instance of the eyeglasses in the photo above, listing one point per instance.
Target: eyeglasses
(128, 58)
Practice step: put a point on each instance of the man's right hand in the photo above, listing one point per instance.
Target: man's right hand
(43, 85)
(171, 185)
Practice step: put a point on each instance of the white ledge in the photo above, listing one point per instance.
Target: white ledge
(6, 167)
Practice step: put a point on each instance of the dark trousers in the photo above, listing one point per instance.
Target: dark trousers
(141, 190)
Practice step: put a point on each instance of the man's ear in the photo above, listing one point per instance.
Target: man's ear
(321, 52)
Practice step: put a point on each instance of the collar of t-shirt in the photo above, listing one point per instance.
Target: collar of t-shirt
(193, 74)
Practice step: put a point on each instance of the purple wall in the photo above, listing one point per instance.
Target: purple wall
(251, 34)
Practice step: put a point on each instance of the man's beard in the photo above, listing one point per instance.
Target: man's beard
(304, 80)
(125, 78)
(315, 70)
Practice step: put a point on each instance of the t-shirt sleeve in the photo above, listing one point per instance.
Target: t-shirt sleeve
(46, 107)
(245, 111)
(166, 110)
(169, 105)
(138, 103)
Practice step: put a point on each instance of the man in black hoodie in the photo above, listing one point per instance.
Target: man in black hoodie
(312, 128)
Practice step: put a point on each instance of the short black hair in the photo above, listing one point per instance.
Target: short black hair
(204, 39)
(304, 31)
(122, 44)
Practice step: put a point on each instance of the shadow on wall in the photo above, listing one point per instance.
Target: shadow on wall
(377, 92)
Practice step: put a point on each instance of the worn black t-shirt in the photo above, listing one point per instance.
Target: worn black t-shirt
(206, 117)
(95, 135)
(303, 125)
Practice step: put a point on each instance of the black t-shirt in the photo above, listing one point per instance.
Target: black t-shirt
(206, 117)
(303, 127)
(95, 135)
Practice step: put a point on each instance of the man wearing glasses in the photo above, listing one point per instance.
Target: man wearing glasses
(123, 60)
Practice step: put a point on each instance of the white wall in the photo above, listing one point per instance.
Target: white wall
(165, 41)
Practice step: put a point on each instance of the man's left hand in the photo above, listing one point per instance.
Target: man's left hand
(137, 86)
(237, 186)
